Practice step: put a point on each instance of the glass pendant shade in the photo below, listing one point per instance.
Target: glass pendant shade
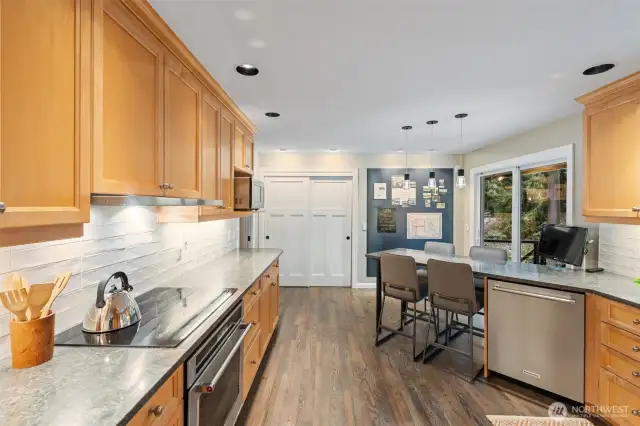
(432, 180)
(407, 181)
(461, 181)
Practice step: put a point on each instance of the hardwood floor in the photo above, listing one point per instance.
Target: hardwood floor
(323, 369)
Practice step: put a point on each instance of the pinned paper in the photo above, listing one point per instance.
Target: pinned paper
(440, 206)
(427, 203)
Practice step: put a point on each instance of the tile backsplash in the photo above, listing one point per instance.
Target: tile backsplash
(125, 239)
(620, 249)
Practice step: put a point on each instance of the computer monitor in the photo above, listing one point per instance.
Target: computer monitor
(563, 243)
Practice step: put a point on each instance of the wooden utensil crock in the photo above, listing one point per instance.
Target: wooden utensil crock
(32, 341)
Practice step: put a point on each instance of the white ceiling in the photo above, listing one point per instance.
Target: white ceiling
(349, 73)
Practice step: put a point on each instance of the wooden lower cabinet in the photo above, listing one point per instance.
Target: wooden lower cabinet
(165, 407)
(260, 306)
(612, 376)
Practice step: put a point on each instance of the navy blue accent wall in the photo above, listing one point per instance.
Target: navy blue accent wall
(384, 241)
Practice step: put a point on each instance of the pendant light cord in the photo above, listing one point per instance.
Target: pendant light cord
(406, 151)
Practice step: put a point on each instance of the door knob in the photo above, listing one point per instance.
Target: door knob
(348, 238)
(267, 237)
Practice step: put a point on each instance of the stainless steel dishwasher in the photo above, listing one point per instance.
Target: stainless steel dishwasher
(536, 335)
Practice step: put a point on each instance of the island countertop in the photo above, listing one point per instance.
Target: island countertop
(606, 284)
(107, 385)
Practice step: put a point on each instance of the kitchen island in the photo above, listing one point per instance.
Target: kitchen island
(611, 323)
(109, 385)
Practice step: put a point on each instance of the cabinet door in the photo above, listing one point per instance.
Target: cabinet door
(211, 187)
(248, 153)
(619, 398)
(265, 314)
(46, 112)
(182, 130)
(226, 158)
(275, 301)
(238, 147)
(612, 157)
(128, 152)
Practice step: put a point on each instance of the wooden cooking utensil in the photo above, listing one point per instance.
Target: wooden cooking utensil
(16, 302)
(38, 296)
(13, 282)
(58, 286)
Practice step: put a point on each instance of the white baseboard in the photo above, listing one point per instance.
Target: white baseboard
(364, 286)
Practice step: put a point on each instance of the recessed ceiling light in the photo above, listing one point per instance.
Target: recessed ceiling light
(247, 69)
(244, 15)
(333, 150)
(256, 44)
(283, 150)
(272, 114)
(598, 69)
(399, 150)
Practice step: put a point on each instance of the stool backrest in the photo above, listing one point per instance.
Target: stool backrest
(442, 249)
(451, 286)
(488, 254)
(399, 272)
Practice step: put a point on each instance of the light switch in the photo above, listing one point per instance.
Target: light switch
(364, 226)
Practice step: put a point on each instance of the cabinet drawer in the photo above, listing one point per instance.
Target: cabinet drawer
(252, 295)
(250, 365)
(620, 340)
(619, 400)
(163, 404)
(620, 315)
(252, 316)
(621, 365)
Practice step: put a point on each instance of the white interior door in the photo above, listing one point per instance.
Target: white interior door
(286, 225)
(330, 242)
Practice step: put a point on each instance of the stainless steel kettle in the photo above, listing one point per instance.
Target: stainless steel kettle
(118, 310)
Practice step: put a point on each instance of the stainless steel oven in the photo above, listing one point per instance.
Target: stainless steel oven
(214, 375)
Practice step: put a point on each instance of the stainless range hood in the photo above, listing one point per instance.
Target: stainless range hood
(145, 200)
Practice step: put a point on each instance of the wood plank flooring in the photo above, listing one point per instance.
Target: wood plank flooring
(323, 369)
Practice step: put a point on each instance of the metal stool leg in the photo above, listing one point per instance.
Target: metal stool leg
(379, 329)
(415, 326)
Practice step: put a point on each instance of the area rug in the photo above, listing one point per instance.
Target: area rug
(537, 421)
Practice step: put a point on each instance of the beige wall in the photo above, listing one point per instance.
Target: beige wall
(276, 161)
(562, 132)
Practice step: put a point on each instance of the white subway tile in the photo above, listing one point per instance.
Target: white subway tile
(4, 324)
(94, 276)
(142, 261)
(26, 257)
(101, 260)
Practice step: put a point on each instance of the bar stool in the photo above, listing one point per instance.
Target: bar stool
(400, 281)
(452, 290)
(487, 255)
(440, 249)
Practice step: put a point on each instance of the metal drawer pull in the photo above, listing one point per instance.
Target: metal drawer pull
(636, 374)
(636, 321)
(636, 348)
(157, 410)
(273, 284)
(253, 361)
(635, 209)
(635, 412)
(538, 296)
(2, 207)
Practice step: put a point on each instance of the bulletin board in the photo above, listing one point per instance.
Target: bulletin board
(382, 212)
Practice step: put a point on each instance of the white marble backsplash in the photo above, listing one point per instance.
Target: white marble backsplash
(620, 249)
(125, 239)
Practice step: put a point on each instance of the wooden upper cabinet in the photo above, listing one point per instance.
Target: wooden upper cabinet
(211, 116)
(238, 147)
(46, 113)
(128, 155)
(248, 153)
(183, 94)
(227, 127)
(611, 160)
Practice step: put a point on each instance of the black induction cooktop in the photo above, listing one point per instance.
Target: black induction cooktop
(169, 315)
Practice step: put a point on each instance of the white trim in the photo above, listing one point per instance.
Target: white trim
(549, 156)
(353, 174)
(364, 286)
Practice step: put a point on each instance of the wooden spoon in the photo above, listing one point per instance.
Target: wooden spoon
(39, 295)
(16, 302)
(13, 282)
(58, 286)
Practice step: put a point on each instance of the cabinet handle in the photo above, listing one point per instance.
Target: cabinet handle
(636, 321)
(267, 275)
(635, 412)
(253, 361)
(163, 186)
(273, 284)
(636, 374)
(157, 410)
(635, 209)
(170, 186)
(255, 293)
(636, 348)
(2, 207)
(254, 323)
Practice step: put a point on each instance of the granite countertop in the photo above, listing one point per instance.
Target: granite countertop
(107, 386)
(606, 284)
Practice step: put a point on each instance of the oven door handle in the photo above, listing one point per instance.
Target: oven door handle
(209, 387)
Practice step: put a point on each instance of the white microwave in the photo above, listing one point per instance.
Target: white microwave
(248, 194)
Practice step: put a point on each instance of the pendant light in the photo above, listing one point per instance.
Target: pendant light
(431, 183)
(407, 178)
(461, 181)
